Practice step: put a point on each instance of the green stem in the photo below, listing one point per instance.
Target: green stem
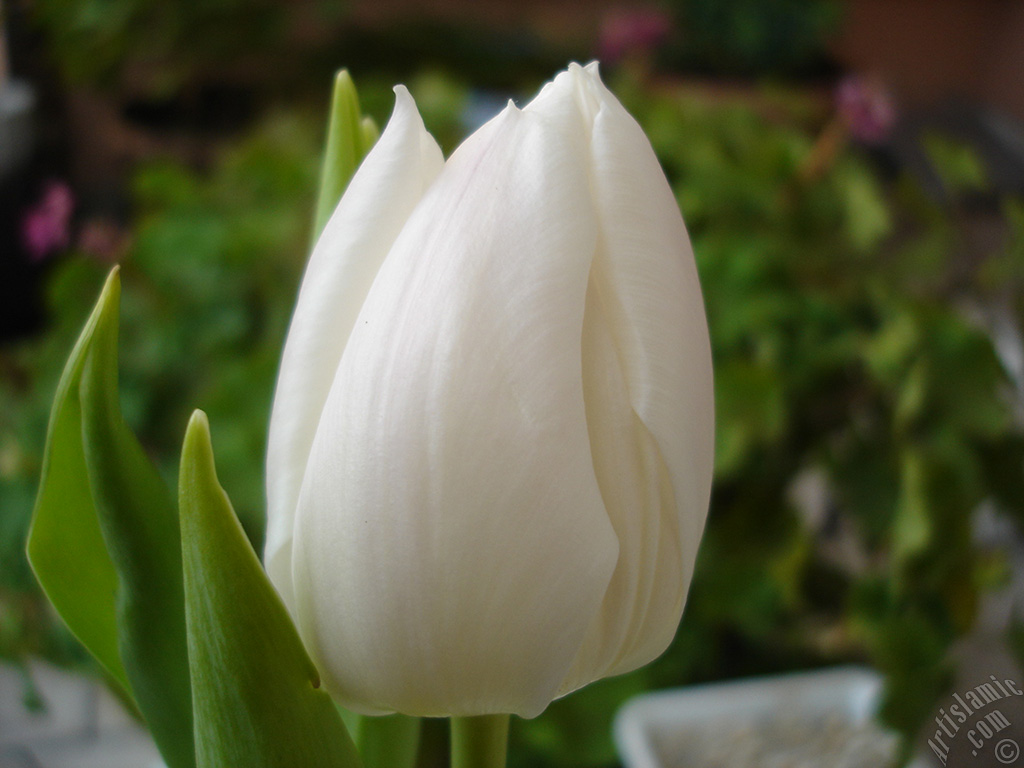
(479, 742)
(391, 741)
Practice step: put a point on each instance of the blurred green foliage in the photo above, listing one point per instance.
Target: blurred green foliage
(755, 37)
(106, 42)
(843, 361)
(207, 293)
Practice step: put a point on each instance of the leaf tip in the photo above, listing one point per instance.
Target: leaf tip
(199, 420)
(370, 134)
(112, 287)
(197, 433)
(197, 448)
(343, 79)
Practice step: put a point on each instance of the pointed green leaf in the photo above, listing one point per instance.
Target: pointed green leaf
(139, 522)
(370, 134)
(349, 138)
(65, 544)
(255, 692)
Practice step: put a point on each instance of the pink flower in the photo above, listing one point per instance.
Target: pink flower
(866, 107)
(625, 31)
(46, 226)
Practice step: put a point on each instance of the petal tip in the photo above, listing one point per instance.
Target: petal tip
(402, 96)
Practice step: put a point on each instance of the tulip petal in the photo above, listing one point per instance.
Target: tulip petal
(653, 452)
(379, 199)
(452, 547)
(638, 496)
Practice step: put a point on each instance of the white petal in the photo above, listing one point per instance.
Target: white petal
(570, 99)
(659, 320)
(649, 396)
(451, 542)
(379, 199)
(637, 493)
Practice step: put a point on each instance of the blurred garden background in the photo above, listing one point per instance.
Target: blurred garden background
(852, 176)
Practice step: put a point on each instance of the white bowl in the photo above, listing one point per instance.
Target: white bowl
(846, 695)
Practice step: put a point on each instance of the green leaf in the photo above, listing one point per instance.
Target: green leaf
(750, 411)
(391, 741)
(957, 164)
(479, 742)
(349, 138)
(868, 218)
(912, 527)
(104, 540)
(369, 134)
(65, 544)
(254, 689)
(139, 522)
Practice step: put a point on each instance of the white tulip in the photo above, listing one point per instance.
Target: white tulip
(490, 451)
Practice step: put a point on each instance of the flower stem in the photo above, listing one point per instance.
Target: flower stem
(390, 741)
(479, 742)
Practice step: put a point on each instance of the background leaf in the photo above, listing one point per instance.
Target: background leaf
(349, 138)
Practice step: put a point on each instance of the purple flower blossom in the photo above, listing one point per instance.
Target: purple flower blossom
(46, 226)
(866, 107)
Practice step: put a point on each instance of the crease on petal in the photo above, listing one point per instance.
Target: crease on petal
(453, 454)
(656, 311)
(636, 488)
(650, 404)
(383, 192)
(620, 472)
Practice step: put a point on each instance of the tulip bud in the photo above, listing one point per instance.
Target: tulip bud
(490, 451)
